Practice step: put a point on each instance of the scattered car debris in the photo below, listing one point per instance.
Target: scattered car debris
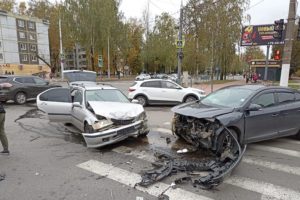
(218, 167)
(168, 140)
(2, 177)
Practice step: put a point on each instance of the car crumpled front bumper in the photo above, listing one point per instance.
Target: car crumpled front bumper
(102, 138)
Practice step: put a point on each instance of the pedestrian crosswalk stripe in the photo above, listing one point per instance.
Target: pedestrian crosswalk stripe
(287, 152)
(266, 197)
(272, 165)
(263, 188)
(283, 140)
(130, 179)
(162, 130)
(241, 182)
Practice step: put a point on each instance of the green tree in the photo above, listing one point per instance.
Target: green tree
(7, 5)
(22, 8)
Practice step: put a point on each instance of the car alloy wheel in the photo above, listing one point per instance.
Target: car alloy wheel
(142, 100)
(190, 99)
(225, 142)
(20, 98)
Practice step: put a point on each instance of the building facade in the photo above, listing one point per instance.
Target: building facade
(23, 40)
(76, 58)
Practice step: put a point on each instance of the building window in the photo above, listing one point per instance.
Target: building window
(22, 35)
(24, 58)
(33, 47)
(23, 47)
(21, 23)
(32, 36)
(33, 58)
(31, 25)
(1, 56)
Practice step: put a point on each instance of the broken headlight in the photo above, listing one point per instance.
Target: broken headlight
(141, 116)
(102, 123)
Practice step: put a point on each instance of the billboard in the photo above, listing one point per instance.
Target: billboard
(260, 35)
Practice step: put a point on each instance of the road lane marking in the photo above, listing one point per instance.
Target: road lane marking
(241, 182)
(167, 123)
(272, 165)
(263, 188)
(162, 130)
(287, 152)
(289, 141)
(130, 179)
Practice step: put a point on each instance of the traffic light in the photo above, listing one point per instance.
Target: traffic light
(277, 55)
(278, 28)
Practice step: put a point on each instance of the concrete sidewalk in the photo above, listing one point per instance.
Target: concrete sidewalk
(207, 87)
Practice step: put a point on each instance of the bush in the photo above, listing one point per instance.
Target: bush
(298, 73)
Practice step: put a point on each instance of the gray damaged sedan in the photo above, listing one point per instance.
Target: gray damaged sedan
(252, 113)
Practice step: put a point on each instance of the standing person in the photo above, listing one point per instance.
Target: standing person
(3, 137)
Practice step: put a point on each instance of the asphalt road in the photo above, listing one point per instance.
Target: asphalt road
(50, 161)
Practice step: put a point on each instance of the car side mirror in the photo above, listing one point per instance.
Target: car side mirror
(254, 107)
(77, 104)
(178, 88)
(134, 101)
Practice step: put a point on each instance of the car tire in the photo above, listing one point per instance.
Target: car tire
(88, 128)
(223, 140)
(20, 98)
(190, 98)
(142, 100)
(297, 136)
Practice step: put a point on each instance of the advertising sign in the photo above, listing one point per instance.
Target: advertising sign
(260, 35)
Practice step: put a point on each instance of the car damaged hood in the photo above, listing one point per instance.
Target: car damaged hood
(116, 110)
(199, 110)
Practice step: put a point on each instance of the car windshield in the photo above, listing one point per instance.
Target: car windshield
(228, 97)
(111, 95)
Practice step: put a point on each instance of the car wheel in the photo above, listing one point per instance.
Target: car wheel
(297, 136)
(88, 128)
(20, 98)
(142, 100)
(190, 99)
(226, 142)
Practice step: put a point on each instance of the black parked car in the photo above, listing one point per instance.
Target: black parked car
(22, 88)
(251, 113)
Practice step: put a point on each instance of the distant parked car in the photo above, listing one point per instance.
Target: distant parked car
(162, 91)
(22, 88)
(143, 77)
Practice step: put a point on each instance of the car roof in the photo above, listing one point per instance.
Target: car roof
(259, 87)
(93, 85)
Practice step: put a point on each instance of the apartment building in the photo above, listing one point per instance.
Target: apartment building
(76, 58)
(23, 40)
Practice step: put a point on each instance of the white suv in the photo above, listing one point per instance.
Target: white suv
(159, 91)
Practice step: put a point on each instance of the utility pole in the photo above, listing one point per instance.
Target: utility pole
(267, 63)
(287, 50)
(108, 59)
(61, 51)
(180, 52)
(147, 39)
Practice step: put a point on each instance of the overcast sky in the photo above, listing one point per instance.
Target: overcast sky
(261, 11)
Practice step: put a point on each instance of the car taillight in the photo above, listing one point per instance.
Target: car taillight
(131, 90)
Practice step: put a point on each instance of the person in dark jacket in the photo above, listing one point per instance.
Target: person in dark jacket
(3, 137)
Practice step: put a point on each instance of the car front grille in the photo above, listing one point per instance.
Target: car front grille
(118, 122)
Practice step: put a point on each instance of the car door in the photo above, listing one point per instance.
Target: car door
(78, 113)
(289, 114)
(152, 89)
(26, 85)
(170, 92)
(262, 124)
(56, 102)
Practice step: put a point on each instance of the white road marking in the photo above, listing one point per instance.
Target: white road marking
(130, 179)
(275, 150)
(289, 141)
(167, 123)
(162, 130)
(266, 197)
(267, 189)
(242, 182)
(272, 165)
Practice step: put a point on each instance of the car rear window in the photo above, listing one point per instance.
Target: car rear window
(3, 79)
(285, 97)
